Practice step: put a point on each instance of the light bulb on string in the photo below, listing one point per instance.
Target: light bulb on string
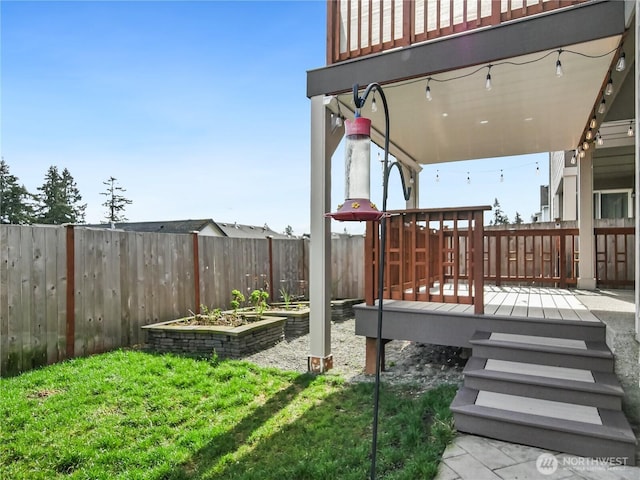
(602, 106)
(468, 178)
(437, 176)
(487, 84)
(581, 152)
(599, 139)
(428, 90)
(559, 71)
(593, 122)
(374, 106)
(609, 88)
(501, 176)
(589, 134)
(585, 145)
(622, 64)
(573, 157)
(630, 131)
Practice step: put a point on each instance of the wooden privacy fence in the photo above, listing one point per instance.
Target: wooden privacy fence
(68, 291)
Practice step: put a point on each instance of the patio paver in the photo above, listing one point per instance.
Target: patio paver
(470, 457)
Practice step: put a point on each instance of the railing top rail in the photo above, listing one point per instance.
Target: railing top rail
(533, 231)
(440, 210)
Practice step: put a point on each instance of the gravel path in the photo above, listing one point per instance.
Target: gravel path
(407, 362)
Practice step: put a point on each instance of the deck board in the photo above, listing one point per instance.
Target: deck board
(530, 302)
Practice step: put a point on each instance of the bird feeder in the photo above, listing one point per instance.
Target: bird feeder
(357, 155)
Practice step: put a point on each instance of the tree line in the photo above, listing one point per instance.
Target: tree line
(57, 201)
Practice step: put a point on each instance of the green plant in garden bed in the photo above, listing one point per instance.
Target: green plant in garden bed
(131, 415)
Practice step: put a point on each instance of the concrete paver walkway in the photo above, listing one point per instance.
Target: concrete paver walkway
(470, 457)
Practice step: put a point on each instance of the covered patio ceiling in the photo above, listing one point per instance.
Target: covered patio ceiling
(528, 109)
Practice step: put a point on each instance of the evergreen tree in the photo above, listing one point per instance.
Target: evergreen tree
(518, 220)
(116, 202)
(288, 231)
(499, 217)
(16, 203)
(59, 199)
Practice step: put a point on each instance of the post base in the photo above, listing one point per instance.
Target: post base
(586, 283)
(319, 364)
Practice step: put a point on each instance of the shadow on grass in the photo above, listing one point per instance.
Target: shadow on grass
(331, 439)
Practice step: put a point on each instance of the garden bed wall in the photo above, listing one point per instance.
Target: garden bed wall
(226, 342)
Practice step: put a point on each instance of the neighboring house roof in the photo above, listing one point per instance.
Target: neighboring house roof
(205, 226)
(170, 226)
(237, 230)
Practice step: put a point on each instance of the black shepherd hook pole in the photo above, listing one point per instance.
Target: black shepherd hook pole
(359, 102)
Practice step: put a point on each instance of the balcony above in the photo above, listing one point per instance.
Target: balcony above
(359, 28)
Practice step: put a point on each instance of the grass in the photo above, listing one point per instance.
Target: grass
(132, 415)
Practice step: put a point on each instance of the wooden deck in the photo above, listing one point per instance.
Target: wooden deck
(523, 302)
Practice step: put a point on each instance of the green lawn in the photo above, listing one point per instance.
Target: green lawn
(132, 415)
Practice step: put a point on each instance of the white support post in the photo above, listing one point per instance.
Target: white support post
(324, 141)
(586, 263)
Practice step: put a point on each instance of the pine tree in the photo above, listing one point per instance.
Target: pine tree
(288, 231)
(59, 199)
(16, 203)
(116, 203)
(499, 217)
(518, 220)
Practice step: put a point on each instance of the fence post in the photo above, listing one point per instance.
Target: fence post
(270, 244)
(71, 288)
(196, 272)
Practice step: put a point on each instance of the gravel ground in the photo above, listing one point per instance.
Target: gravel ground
(420, 364)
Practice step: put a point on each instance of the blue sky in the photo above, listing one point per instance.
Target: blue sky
(197, 108)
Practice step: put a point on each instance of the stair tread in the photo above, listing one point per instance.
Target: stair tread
(595, 349)
(544, 375)
(613, 424)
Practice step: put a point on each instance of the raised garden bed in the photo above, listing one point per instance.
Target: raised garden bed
(342, 309)
(182, 337)
(297, 319)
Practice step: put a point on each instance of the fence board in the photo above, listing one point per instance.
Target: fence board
(4, 321)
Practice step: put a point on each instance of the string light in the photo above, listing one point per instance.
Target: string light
(594, 122)
(622, 64)
(468, 178)
(428, 90)
(487, 84)
(585, 145)
(573, 157)
(437, 176)
(559, 71)
(599, 139)
(589, 134)
(581, 152)
(501, 176)
(609, 88)
(630, 131)
(602, 106)
(374, 105)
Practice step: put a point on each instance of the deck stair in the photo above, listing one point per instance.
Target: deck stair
(550, 392)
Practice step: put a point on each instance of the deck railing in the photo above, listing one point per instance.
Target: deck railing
(360, 27)
(431, 255)
(615, 256)
(532, 256)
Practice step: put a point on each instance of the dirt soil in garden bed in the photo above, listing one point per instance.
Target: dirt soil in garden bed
(224, 320)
